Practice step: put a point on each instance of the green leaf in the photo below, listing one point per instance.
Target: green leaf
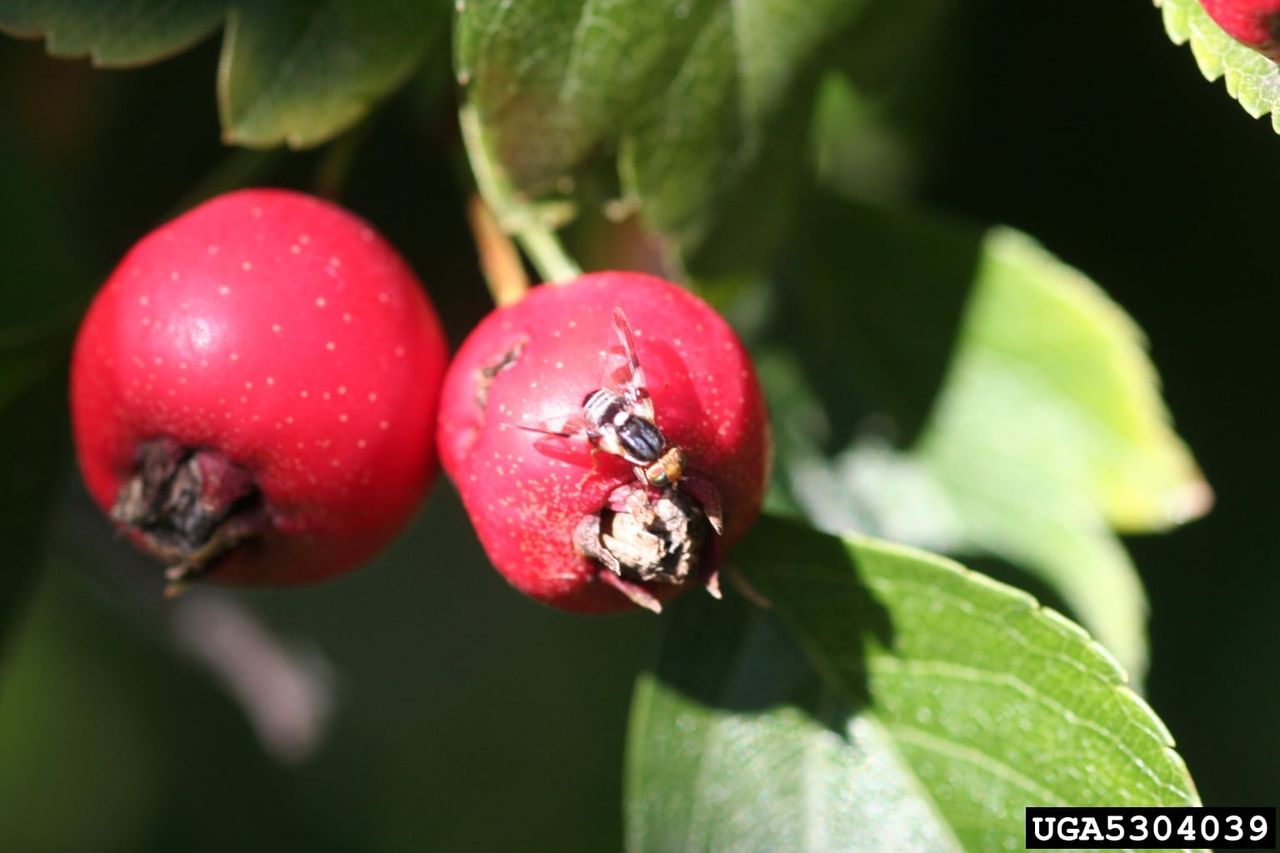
(735, 720)
(1028, 409)
(1251, 78)
(691, 102)
(299, 71)
(944, 703)
(292, 71)
(113, 33)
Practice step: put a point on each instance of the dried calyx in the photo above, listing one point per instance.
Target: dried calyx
(645, 535)
(189, 505)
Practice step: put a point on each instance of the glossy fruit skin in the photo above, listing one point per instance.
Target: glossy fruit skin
(284, 332)
(525, 495)
(1254, 23)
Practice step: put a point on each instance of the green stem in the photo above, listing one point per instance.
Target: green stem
(499, 259)
(515, 215)
(548, 254)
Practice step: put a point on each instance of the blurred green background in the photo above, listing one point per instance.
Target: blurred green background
(462, 715)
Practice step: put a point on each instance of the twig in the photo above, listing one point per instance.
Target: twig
(499, 260)
(513, 214)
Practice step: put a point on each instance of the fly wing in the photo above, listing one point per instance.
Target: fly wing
(632, 385)
(564, 426)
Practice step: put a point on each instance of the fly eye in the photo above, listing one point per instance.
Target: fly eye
(657, 476)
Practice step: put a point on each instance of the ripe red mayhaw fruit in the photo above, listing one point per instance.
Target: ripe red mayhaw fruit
(1255, 23)
(565, 518)
(254, 390)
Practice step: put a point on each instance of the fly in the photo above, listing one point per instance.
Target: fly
(620, 420)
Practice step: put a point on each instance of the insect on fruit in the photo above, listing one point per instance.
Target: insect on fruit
(649, 422)
(621, 420)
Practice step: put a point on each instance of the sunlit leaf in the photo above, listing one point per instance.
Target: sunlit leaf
(1028, 420)
(960, 702)
(1251, 78)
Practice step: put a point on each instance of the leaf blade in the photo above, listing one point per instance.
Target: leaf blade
(1049, 670)
(298, 72)
(291, 72)
(1251, 79)
(752, 709)
(113, 33)
(1027, 412)
(673, 107)
(961, 701)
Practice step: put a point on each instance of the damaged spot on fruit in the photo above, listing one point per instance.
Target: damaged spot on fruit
(641, 538)
(489, 372)
(190, 506)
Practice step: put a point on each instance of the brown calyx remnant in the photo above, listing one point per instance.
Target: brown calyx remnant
(190, 506)
(640, 537)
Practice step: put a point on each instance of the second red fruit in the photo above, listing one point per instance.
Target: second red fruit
(1255, 23)
(254, 390)
(568, 518)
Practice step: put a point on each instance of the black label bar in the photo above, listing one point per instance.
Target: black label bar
(1104, 827)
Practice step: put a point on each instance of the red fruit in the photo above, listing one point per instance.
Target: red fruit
(552, 512)
(253, 390)
(1255, 23)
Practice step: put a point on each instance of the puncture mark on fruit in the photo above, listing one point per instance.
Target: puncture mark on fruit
(488, 373)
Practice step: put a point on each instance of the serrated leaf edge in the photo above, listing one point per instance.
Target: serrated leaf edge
(1209, 61)
(1112, 673)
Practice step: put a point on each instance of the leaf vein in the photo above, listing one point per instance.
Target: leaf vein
(949, 749)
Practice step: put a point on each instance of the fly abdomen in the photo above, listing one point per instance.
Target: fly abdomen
(602, 407)
(620, 430)
(641, 440)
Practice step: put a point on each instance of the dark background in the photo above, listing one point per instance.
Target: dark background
(1094, 133)
(467, 717)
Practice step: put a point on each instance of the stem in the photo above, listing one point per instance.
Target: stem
(499, 260)
(548, 254)
(515, 215)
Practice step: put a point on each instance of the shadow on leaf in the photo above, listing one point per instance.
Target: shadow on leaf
(874, 310)
(736, 656)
